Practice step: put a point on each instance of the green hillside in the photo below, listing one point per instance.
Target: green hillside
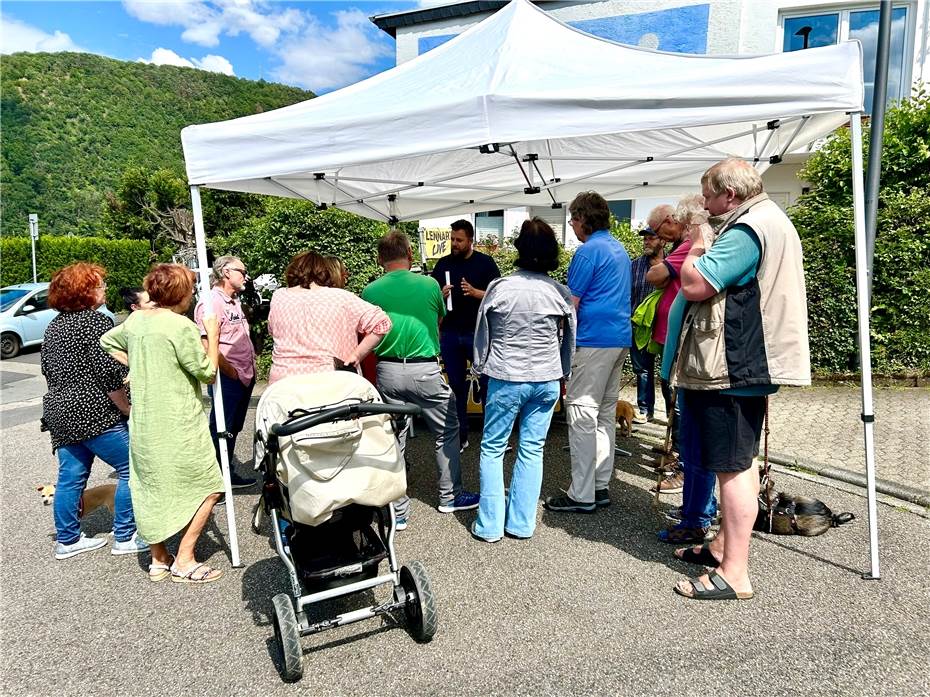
(71, 123)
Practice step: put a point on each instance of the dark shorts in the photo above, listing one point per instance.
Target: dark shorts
(729, 428)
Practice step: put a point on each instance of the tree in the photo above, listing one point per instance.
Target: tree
(900, 317)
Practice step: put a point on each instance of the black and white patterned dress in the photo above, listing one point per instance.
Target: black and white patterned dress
(79, 375)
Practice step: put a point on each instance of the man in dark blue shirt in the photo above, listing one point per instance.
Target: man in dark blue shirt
(643, 361)
(470, 272)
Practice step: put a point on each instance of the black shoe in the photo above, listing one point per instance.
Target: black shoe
(601, 498)
(240, 482)
(565, 504)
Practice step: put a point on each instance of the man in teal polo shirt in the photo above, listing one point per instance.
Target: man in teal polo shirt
(408, 366)
(599, 280)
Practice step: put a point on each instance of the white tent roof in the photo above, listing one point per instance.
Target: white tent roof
(522, 102)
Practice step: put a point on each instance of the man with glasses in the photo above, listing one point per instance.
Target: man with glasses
(599, 281)
(237, 356)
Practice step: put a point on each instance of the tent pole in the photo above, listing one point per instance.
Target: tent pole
(201, 240)
(879, 98)
(865, 356)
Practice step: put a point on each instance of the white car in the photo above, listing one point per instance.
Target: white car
(24, 316)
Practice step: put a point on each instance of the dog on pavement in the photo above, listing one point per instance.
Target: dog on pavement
(92, 498)
(625, 418)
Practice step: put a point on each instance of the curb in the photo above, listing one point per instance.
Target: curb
(904, 492)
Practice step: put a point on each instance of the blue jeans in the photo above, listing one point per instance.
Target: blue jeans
(644, 366)
(235, 407)
(74, 461)
(534, 403)
(457, 349)
(698, 502)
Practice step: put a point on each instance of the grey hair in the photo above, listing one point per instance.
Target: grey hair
(219, 265)
(737, 175)
(658, 214)
(690, 210)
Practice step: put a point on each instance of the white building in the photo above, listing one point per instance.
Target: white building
(721, 27)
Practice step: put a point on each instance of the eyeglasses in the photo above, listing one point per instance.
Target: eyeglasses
(242, 271)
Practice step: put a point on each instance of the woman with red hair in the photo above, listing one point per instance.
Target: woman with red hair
(85, 409)
(174, 478)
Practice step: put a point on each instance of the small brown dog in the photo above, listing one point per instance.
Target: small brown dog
(90, 500)
(625, 418)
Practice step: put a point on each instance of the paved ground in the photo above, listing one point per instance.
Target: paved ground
(821, 424)
(586, 607)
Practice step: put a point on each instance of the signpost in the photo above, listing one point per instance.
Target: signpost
(34, 235)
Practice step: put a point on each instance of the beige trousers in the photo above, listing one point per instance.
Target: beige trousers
(591, 408)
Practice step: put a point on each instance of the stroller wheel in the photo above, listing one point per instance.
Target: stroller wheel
(422, 618)
(287, 633)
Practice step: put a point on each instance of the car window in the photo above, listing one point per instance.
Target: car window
(40, 300)
(8, 297)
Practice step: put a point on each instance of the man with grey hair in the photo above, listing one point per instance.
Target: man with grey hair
(743, 335)
(237, 356)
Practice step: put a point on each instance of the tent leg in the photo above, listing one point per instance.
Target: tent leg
(865, 356)
(201, 239)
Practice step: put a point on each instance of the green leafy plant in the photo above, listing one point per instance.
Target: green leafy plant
(126, 261)
(900, 312)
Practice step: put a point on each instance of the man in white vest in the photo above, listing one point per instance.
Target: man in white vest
(744, 334)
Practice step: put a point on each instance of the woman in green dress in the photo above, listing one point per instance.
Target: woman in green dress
(173, 474)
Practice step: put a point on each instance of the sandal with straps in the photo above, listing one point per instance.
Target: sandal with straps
(197, 574)
(718, 590)
(160, 572)
(702, 558)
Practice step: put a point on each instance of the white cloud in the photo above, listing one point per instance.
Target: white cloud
(321, 58)
(210, 62)
(18, 36)
(308, 53)
(205, 22)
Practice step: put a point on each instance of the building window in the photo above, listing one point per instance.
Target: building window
(811, 30)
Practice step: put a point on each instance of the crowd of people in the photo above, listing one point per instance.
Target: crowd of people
(717, 295)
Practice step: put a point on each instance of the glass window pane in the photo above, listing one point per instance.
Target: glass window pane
(810, 32)
(864, 27)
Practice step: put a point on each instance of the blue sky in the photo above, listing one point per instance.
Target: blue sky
(320, 46)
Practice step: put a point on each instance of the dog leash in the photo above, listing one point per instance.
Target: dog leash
(766, 467)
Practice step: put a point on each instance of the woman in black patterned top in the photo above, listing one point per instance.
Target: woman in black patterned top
(85, 409)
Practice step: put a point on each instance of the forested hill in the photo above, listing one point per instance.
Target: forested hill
(72, 122)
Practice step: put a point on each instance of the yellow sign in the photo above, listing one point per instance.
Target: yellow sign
(435, 243)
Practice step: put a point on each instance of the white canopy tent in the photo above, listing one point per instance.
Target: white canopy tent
(523, 110)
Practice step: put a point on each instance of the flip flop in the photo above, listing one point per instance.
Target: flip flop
(702, 558)
(718, 590)
(159, 572)
(198, 574)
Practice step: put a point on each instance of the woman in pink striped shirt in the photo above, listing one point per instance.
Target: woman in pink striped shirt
(314, 326)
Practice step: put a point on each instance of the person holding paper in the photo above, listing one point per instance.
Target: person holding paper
(469, 274)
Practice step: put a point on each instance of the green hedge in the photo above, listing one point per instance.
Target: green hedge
(126, 261)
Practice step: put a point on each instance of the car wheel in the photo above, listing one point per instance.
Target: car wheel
(10, 345)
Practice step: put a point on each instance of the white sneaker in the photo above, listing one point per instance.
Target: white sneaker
(640, 418)
(464, 447)
(83, 544)
(134, 545)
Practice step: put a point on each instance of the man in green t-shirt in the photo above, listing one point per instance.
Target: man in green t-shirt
(408, 366)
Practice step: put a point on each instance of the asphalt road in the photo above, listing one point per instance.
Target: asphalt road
(585, 607)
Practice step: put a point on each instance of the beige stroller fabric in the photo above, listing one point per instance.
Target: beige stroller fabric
(336, 464)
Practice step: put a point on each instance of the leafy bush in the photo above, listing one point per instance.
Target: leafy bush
(900, 316)
(268, 243)
(126, 261)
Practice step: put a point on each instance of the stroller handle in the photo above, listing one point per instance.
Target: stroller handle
(301, 423)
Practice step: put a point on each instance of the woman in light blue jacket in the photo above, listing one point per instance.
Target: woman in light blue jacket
(524, 342)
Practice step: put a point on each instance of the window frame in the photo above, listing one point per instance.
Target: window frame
(844, 10)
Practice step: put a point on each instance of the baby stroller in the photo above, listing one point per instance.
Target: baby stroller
(331, 466)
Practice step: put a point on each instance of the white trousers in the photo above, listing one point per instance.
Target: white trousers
(591, 408)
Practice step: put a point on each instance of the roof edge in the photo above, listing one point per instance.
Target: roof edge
(392, 21)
